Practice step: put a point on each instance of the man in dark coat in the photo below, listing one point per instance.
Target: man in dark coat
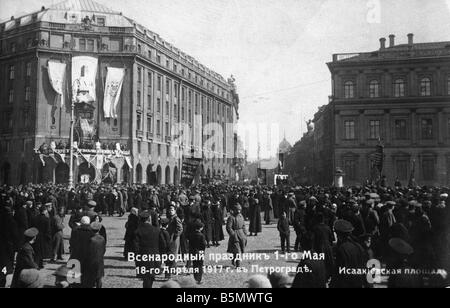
(207, 219)
(254, 216)
(95, 264)
(323, 241)
(267, 207)
(197, 246)
(146, 242)
(283, 229)
(218, 223)
(316, 277)
(9, 242)
(57, 226)
(21, 218)
(299, 225)
(25, 257)
(130, 230)
(43, 244)
(175, 228)
(349, 255)
(79, 245)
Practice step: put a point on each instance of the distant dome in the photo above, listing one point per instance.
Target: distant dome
(284, 146)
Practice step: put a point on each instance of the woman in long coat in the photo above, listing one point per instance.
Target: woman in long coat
(237, 233)
(43, 244)
(255, 216)
(218, 224)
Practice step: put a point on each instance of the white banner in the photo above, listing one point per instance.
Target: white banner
(113, 87)
(57, 76)
(84, 72)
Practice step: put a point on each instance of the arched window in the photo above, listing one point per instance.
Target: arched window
(374, 89)
(425, 87)
(399, 87)
(349, 89)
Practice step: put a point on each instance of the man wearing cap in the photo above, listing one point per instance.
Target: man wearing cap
(146, 242)
(197, 246)
(21, 218)
(79, 244)
(401, 252)
(175, 228)
(25, 257)
(43, 244)
(238, 235)
(95, 262)
(9, 240)
(349, 257)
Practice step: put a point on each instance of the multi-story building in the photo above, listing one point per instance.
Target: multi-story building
(161, 87)
(398, 95)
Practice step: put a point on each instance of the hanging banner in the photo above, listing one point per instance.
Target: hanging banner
(127, 159)
(57, 76)
(84, 72)
(113, 87)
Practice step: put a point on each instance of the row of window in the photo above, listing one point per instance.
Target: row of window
(7, 121)
(191, 96)
(400, 129)
(402, 168)
(12, 70)
(11, 95)
(399, 88)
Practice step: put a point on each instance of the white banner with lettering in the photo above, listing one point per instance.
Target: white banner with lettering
(57, 76)
(113, 87)
(84, 72)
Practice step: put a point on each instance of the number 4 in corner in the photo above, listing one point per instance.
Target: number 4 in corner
(4, 271)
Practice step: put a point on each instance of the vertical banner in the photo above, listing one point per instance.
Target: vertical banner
(113, 87)
(57, 76)
(189, 169)
(84, 72)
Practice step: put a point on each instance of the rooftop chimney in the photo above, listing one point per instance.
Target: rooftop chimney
(43, 8)
(12, 17)
(382, 43)
(391, 40)
(410, 39)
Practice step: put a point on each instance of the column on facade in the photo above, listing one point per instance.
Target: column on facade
(440, 126)
(361, 84)
(362, 128)
(387, 127)
(338, 128)
(414, 125)
(387, 89)
(412, 83)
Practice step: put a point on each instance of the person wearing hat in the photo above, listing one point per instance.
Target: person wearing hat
(21, 218)
(349, 255)
(26, 256)
(30, 279)
(217, 214)
(267, 205)
(57, 226)
(175, 228)
(422, 238)
(9, 240)
(79, 245)
(146, 242)
(399, 261)
(237, 234)
(254, 215)
(95, 260)
(197, 246)
(130, 228)
(43, 245)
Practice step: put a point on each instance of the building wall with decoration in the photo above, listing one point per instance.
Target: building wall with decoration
(162, 87)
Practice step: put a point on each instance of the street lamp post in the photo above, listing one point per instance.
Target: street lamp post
(72, 116)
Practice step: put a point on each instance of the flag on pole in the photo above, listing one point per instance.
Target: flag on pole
(57, 75)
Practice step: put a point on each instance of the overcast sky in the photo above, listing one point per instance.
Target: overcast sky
(277, 50)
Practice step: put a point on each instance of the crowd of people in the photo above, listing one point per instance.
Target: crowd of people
(401, 227)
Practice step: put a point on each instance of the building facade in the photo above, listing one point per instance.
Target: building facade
(398, 96)
(165, 96)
